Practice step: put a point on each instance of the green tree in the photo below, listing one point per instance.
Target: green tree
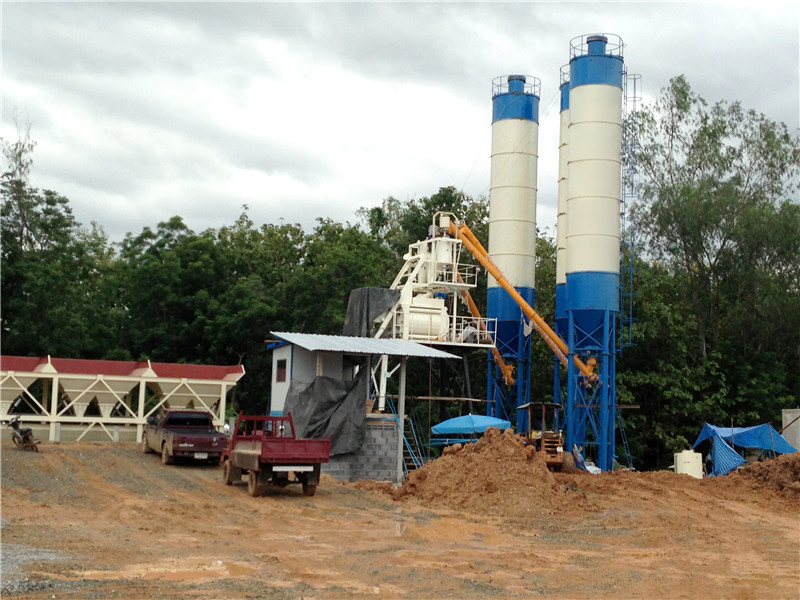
(151, 291)
(674, 386)
(719, 213)
(337, 259)
(254, 300)
(53, 297)
(717, 198)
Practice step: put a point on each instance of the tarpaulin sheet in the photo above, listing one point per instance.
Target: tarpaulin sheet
(329, 407)
(723, 458)
(760, 436)
(469, 424)
(364, 306)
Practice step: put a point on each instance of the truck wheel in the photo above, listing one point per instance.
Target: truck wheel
(165, 457)
(253, 484)
(230, 474)
(145, 448)
(309, 489)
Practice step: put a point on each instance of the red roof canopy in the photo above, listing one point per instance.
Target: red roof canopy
(79, 366)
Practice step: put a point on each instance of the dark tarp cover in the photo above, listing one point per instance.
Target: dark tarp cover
(364, 306)
(329, 407)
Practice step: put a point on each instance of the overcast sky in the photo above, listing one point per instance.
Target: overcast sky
(143, 111)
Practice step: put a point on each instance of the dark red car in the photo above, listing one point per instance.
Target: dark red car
(184, 433)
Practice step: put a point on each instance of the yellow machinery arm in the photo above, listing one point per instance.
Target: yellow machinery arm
(551, 338)
(505, 369)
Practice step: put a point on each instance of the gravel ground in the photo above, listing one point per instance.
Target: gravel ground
(84, 521)
(13, 557)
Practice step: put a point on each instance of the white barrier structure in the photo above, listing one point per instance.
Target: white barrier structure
(103, 400)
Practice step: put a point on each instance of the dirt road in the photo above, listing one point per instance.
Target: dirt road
(106, 521)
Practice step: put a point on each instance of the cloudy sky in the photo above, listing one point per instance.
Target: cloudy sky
(143, 111)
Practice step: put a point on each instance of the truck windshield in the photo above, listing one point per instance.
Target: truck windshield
(188, 420)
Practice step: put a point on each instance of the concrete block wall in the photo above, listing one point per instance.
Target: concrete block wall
(377, 457)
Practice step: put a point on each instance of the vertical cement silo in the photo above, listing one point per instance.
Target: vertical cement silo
(561, 223)
(561, 320)
(512, 234)
(593, 238)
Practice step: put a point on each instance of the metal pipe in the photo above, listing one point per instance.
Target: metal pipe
(551, 338)
(505, 369)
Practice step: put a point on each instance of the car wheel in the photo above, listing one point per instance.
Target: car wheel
(165, 457)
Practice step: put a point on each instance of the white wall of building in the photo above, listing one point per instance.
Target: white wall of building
(300, 365)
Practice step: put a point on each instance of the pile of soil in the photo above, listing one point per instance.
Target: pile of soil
(497, 475)
(501, 475)
(781, 474)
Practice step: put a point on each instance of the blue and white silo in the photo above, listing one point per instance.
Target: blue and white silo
(561, 320)
(561, 222)
(512, 233)
(593, 238)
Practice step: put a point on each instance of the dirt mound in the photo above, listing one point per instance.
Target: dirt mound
(497, 475)
(500, 475)
(370, 485)
(781, 474)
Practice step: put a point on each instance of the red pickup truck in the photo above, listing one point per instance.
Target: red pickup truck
(183, 433)
(267, 449)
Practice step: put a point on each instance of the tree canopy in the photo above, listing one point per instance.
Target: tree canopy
(718, 320)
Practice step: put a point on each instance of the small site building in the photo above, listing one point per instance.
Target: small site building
(330, 376)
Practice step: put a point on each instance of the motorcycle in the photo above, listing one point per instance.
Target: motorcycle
(23, 436)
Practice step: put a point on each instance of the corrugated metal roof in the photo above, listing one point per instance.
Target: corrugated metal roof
(360, 345)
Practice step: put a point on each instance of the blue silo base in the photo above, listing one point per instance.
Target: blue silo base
(503, 400)
(591, 402)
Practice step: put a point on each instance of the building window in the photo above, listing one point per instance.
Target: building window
(280, 375)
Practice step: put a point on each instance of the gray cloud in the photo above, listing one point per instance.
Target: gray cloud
(300, 110)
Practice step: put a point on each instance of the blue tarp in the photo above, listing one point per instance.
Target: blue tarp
(760, 436)
(724, 458)
(469, 424)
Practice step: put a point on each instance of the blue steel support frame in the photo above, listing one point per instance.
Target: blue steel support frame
(504, 399)
(591, 406)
